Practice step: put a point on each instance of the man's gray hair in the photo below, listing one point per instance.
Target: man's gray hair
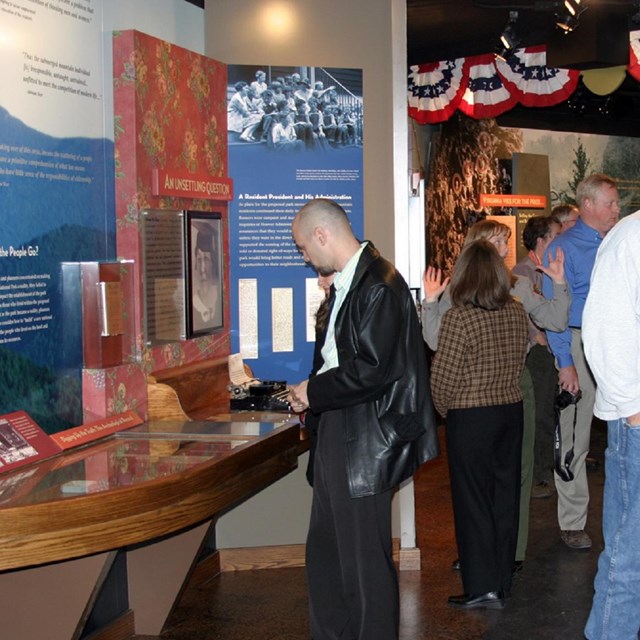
(588, 188)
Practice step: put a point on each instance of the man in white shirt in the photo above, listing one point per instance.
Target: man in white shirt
(611, 337)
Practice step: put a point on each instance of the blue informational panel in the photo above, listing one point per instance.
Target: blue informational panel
(295, 133)
(57, 185)
(56, 199)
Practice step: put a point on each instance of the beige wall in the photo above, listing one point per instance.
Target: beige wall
(364, 34)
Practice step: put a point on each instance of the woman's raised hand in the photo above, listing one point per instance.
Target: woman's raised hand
(434, 284)
(555, 270)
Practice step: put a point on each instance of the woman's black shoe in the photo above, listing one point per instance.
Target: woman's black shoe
(517, 565)
(489, 600)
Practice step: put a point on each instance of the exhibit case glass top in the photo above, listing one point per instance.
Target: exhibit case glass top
(152, 450)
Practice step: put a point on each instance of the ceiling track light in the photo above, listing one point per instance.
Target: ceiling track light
(509, 40)
(569, 20)
(572, 6)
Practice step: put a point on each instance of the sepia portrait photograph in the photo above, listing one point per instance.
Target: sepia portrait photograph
(204, 269)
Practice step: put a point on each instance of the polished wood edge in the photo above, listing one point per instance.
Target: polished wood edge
(409, 559)
(122, 628)
(161, 375)
(272, 557)
(293, 555)
(199, 389)
(163, 403)
(74, 527)
(395, 550)
(206, 569)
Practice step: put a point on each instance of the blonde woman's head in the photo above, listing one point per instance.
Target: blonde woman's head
(495, 232)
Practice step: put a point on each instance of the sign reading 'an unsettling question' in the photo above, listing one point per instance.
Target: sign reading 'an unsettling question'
(191, 185)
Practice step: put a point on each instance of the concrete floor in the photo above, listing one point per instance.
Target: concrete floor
(550, 599)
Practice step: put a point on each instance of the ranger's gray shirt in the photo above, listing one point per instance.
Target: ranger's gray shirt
(546, 314)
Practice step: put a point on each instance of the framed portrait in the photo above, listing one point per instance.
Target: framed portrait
(204, 264)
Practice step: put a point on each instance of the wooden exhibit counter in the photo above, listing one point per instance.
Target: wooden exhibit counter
(99, 542)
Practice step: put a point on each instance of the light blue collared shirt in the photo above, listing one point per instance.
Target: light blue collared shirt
(342, 283)
(580, 245)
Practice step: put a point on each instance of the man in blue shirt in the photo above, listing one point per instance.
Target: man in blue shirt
(597, 199)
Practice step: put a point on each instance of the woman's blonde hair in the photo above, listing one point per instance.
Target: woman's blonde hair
(486, 229)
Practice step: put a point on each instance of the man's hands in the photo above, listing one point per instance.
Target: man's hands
(634, 420)
(568, 379)
(433, 284)
(297, 397)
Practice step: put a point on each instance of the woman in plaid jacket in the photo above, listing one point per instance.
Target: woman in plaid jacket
(482, 346)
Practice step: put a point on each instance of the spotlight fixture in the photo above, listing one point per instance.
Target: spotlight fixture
(509, 40)
(569, 20)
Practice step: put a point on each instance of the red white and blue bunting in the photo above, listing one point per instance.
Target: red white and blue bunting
(486, 95)
(435, 90)
(634, 55)
(485, 86)
(534, 84)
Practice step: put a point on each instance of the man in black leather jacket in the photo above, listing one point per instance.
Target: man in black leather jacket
(377, 426)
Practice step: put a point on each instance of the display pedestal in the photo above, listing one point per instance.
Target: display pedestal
(113, 390)
(105, 333)
(113, 560)
(47, 602)
(97, 304)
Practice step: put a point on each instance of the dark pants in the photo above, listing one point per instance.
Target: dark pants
(543, 372)
(484, 447)
(352, 580)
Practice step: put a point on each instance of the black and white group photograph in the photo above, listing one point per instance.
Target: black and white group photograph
(295, 108)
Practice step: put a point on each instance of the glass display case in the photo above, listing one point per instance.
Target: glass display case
(147, 452)
(147, 500)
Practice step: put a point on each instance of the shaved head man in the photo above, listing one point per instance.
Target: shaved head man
(377, 425)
